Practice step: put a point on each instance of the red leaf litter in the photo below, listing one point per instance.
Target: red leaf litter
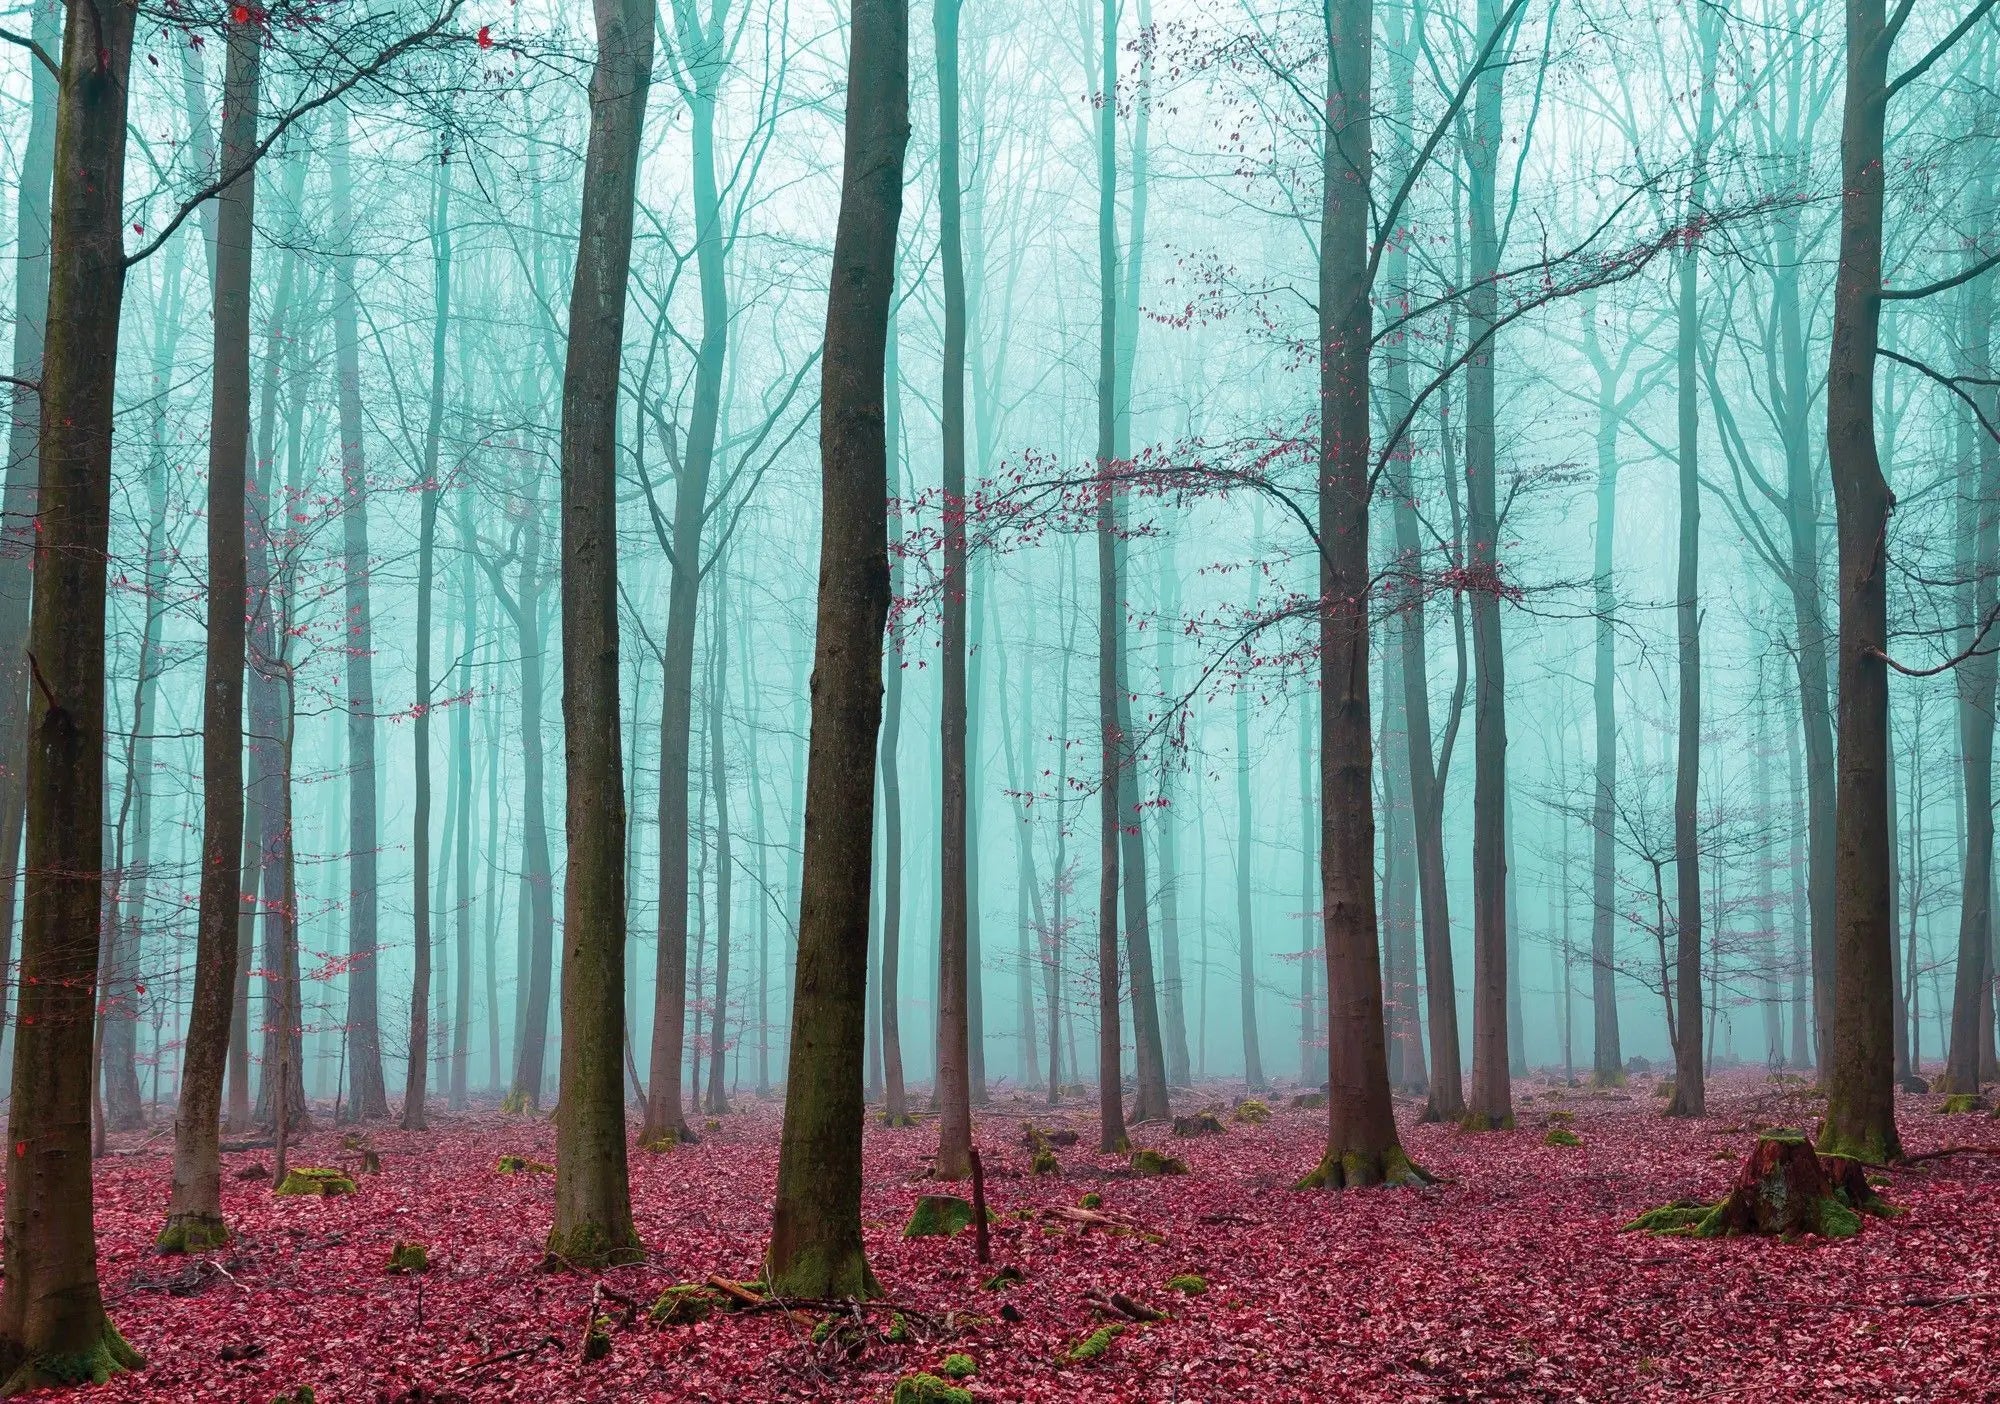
(1511, 1280)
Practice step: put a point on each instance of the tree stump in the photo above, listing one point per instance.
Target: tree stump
(1782, 1189)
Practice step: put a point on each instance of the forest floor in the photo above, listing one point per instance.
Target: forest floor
(1508, 1280)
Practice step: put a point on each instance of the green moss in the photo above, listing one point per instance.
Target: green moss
(1034, 1138)
(1252, 1112)
(1092, 1346)
(591, 1246)
(302, 1395)
(1680, 1217)
(899, 1329)
(1614, 1077)
(938, 1216)
(1557, 1136)
(597, 1341)
(1963, 1103)
(408, 1258)
(192, 1233)
(1362, 1169)
(658, 1145)
(1046, 1163)
(960, 1367)
(109, 1356)
(1486, 1121)
(928, 1389)
(898, 1122)
(515, 1104)
(682, 1305)
(1003, 1279)
(824, 1328)
(1152, 1162)
(314, 1180)
(518, 1165)
(1191, 1284)
(1092, 1200)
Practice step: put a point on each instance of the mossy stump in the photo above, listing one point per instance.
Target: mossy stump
(682, 1305)
(929, 1389)
(1252, 1112)
(1045, 1163)
(315, 1180)
(1783, 1189)
(938, 1216)
(520, 1165)
(1964, 1104)
(408, 1258)
(1200, 1124)
(1558, 1136)
(1151, 1162)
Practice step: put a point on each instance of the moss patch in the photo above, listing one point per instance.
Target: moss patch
(1191, 1284)
(1558, 1136)
(519, 1165)
(1152, 1162)
(1252, 1112)
(1092, 1200)
(109, 1356)
(407, 1258)
(1092, 1346)
(959, 1366)
(192, 1233)
(1363, 1169)
(1003, 1279)
(1963, 1103)
(938, 1216)
(315, 1180)
(1045, 1163)
(682, 1305)
(929, 1389)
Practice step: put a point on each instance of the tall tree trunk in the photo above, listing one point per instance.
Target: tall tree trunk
(194, 1204)
(954, 1073)
(17, 543)
(1166, 836)
(1491, 1106)
(593, 1220)
(1309, 914)
(717, 1102)
(1801, 913)
(1607, 1059)
(1399, 871)
(1690, 1090)
(1861, 1101)
(1110, 621)
(461, 745)
(1361, 1143)
(1978, 530)
(895, 1100)
(418, 1065)
(704, 64)
(367, 1093)
(52, 1323)
(816, 1248)
(537, 876)
(1246, 931)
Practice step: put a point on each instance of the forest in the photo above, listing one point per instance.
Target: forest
(1119, 700)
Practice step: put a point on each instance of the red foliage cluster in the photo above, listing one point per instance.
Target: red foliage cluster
(1510, 1280)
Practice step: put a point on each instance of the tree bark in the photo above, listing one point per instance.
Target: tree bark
(895, 1099)
(716, 1103)
(816, 1245)
(194, 1205)
(1861, 1105)
(52, 1321)
(1246, 933)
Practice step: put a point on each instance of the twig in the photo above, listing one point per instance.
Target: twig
(1910, 1160)
(1138, 1311)
(503, 1357)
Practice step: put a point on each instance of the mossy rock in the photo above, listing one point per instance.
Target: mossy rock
(315, 1180)
(1152, 1162)
(1003, 1279)
(1557, 1136)
(1963, 1104)
(1309, 1101)
(682, 1305)
(520, 1165)
(1190, 1284)
(959, 1366)
(938, 1216)
(1093, 1346)
(929, 1389)
(1093, 1200)
(407, 1258)
(1045, 1163)
(1200, 1124)
(1252, 1112)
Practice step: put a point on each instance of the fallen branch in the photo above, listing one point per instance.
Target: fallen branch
(737, 1292)
(1910, 1160)
(503, 1357)
(1136, 1311)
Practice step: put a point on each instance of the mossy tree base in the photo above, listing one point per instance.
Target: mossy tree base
(1486, 1121)
(110, 1355)
(1781, 1190)
(590, 1247)
(938, 1216)
(1390, 1169)
(828, 1276)
(192, 1233)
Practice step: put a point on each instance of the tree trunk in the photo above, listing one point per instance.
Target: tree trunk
(1246, 938)
(1607, 1059)
(816, 1248)
(895, 1100)
(418, 1065)
(537, 879)
(17, 545)
(194, 1205)
(717, 1102)
(593, 1220)
(954, 1073)
(1491, 1106)
(1399, 869)
(369, 1098)
(1361, 1143)
(1166, 836)
(52, 1322)
(1861, 1104)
